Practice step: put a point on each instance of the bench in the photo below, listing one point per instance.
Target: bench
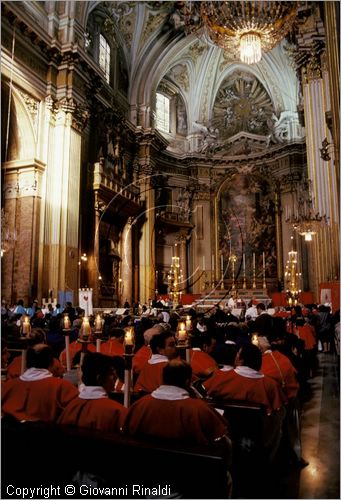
(40, 454)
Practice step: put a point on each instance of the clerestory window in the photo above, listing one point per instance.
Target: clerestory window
(104, 57)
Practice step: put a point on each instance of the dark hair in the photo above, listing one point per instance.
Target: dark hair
(201, 340)
(177, 372)
(226, 354)
(251, 356)
(116, 332)
(39, 356)
(37, 336)
(158, 341)
(96, 367)
(300, 321)
(260, 306)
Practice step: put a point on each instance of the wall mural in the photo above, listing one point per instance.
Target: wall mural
(246, 225)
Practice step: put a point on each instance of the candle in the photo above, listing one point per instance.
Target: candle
(98, 324)
(188, 323)
(203, 262)
(67, 322)
(254, 261)
(128, 338)
(86, 328)
(67, 350)
(244, 262)
(182, 335)
(98, 345)
(26, 327)
(263, 260)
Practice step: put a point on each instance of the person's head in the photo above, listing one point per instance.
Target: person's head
(177, 372)
(209, 344)
(300, 321)
(102, 370)
(117, 333)
(148, 334)
(226, 354)
(164, 343)
(36, 336)
(263, 344)
(249, 355)
(260, 308)
(20, 302)
(39, 356)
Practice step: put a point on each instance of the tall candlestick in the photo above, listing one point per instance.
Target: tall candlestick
(67, 351)
(98, 324)
(98, 345)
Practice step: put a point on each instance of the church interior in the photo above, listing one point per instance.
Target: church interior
(176, 164)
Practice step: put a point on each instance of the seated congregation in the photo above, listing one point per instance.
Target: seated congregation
(235, 400)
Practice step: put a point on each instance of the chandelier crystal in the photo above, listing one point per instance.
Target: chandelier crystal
(242, 28)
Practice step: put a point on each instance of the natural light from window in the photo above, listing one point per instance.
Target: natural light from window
(104, 57)
(162, 112)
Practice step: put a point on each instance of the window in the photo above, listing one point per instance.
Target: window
(162, 112)
(104, 57)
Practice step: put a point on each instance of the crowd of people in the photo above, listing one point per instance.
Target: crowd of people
(265, 359)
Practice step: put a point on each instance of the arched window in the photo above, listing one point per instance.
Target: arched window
(162, 112)
(104, 57)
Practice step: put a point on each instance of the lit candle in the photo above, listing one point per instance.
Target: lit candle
(67, 322)
(86, 328)
(182, 334)
(98, 324)
(188, 323)
(128, 337)
(203, 262)
(26, 327)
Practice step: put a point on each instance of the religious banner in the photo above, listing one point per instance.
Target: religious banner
(85, 300)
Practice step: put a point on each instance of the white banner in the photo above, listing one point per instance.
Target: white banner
(85, 300)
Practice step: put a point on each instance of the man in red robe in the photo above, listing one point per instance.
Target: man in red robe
(201, 362)
(92, 408)
(114, 346)
(163, 349)
(36, 395)
(170, 413)
(144, 353)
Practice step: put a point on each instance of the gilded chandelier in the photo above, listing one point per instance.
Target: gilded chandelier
(174, 280)
(242, 28)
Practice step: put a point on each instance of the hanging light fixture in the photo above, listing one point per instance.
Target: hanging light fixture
(303, 218)
(242, 28)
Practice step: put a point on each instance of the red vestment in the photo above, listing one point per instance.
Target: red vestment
(306, 333)
(202, 363)
(231, 385)
(279, 367)
(140, 358)
(36, 400)
(101, 414)
(150, 377)
(112, 347)
(187, 420)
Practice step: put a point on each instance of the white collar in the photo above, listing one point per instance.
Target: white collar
(229, 342)
(226, 368)
(196, 349)
(91, 392)
(157, 358)
(32, 374)
(170, 392)
(268, 351)
(246, 371)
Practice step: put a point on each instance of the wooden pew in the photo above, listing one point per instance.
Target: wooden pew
(36, 454)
